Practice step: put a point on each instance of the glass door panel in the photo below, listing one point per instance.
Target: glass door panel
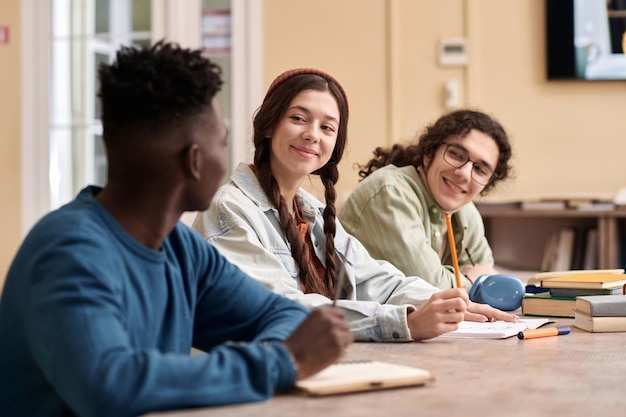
(85, 33)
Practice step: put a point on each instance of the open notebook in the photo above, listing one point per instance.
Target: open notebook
(495, 330)
(347, 377)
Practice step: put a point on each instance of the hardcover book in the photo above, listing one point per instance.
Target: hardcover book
(587, 281)
(577, 292)
(599, 324)
(602, 305)
(543, 304)
(536, 279)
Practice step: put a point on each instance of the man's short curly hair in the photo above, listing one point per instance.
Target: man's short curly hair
(458, 123)
(155, 87)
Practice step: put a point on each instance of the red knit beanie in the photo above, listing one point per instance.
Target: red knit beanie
(297, 71)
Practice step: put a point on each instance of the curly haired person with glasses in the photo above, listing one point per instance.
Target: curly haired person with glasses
(397, 210)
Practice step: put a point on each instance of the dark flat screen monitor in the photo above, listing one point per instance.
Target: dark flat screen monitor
(585, 39)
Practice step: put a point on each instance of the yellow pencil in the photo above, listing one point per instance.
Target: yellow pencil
(455, 259)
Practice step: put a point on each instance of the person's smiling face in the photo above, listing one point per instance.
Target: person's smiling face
(304, 139)
(453, 187)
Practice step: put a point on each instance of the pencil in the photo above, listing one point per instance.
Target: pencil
(455, 259)
(342, 276)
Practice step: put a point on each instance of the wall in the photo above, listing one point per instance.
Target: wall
(568, 137)
(347, 39)
(10, 117)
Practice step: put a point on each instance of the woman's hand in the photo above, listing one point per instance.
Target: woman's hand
(440, 314)
(484, 312)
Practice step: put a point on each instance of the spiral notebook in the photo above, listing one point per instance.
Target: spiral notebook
(346, 377)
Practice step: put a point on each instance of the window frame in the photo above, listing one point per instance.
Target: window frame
(170, 20)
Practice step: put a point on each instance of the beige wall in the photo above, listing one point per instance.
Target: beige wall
(568, 137)
(10, 114)
(346, 38)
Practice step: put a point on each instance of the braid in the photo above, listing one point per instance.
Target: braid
(276, 102)
(329, 178)
(299, 250)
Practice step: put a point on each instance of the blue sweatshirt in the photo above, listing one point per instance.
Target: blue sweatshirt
(92, 323)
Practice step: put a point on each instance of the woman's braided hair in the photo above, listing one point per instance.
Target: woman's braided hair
(280, 94)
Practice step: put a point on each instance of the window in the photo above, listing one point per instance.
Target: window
(64, 41)
(84, 35)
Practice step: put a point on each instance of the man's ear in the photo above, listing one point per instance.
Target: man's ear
(193, 161)
(426, 161)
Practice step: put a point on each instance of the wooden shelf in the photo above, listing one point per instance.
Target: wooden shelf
(519, 237)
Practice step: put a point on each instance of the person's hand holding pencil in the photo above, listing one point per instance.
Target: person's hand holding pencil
(452, 245)
(319, 341)
(323, 337)
(341, 278)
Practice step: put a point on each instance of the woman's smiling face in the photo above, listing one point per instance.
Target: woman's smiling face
(304, 139)
(453, 187)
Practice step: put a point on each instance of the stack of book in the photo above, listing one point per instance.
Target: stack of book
(561, 290)
(600, 314)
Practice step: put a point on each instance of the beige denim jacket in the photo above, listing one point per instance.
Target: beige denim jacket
(243, 225)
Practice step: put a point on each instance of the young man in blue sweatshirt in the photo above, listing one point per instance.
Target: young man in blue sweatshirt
(107, 295)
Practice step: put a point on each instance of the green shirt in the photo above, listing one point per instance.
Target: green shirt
(396, 218)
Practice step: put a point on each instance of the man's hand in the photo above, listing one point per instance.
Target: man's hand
(319, 341)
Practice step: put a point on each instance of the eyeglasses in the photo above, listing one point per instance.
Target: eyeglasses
(457, 157)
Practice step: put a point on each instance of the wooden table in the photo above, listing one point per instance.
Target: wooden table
(580, 374)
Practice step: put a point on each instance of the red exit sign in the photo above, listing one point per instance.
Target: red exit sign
(4, 35)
